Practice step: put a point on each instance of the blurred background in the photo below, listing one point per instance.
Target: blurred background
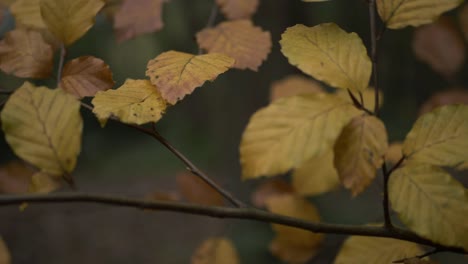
(206, 126)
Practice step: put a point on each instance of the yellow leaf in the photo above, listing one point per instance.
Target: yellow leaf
(238, 9)
(195, 190)
(316, 175)
(368, 97)
(85, 76)
(294, 85)
(359, 151)
(5, 257)
(290, 239)
(137, 17)
(328, 54)
(135, 102)
(15, 177)
(25, 54)
(375, 250)
(439, 137)
(290, 131)
(268, 189)
(401, 13)
(394, 152)
(431, 203)
(239, 39)
(177, 74)
(44, 127)
(215, 251)
(28, 13)
(69, 20)
(43, 183)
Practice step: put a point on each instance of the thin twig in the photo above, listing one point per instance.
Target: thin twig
(63, 54)
(373, 34)
(211, 20)
(427, 254)
(357, 104)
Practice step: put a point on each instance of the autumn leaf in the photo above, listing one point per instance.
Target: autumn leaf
(42, 182)
(137, 17)
(431, 203)
(290, 131)
(238, 9)
(316, 175)
(294, 245)
(446, 97)
(15, 177)
(239, 39)
(177, 74)
(294, 85)
(215, 251)
(85, 76)
(5, 257)
(28, 13)
(43, 127)
(135, 102)
(372, 250)
(394, 152)
(329, 54)
(401, 13)
(441, 46)
(25, 54)
(268, 189)
(69, 20)
(440, 137)
(359, 151)
(195, 190)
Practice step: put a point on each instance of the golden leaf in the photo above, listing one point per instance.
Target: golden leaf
(25, 54)
(431, 203)
(195, 190)
(135, 102)
(368, 97)
(268, 189)
(44, 127)
(177, 74)
(359, 151)
(328, 54)
(373, 250)
(15, 177)
(137, 17)
(85, 76)
(290, 240)
(5, 257)
(42, 182)
(294, 85)
(215, 251)
(439, 137)
(316, 175)
(28, 13)
(238, 9)
(446, 97)
(69, 20)
(394, 152)
(441, 46)
(290, 131)
(401, 13)
(239, 39)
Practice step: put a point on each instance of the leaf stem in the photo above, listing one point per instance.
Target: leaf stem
(63, 54)
(358, 104)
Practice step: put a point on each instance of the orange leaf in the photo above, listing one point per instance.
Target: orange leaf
(195, 190)
(177, 74)
(85, 76)
(452, 96)
(15, 177)
(294, 85)
(238, 9)
(269, 189)
(137, 17)
(25, 54)
(239, 39)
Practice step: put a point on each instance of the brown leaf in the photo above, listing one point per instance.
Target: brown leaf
(15, 177)
(25, 54)
(268, 189)
(293, 85)
(238, 9)
(85, 76)
(195, 190)
(452, 96)
(137, 17)
(215, 251)
(239, 39)
(441, 46)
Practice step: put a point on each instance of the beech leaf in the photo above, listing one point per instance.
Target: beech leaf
(28, 13)
(294, 85)
(195, 190)
(239, 39)
(177, 74)
(42, 182)
(238, 9)
(215, 251)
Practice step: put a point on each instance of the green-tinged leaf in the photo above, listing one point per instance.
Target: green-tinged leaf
(401, 13)
(359, 151)
(28, 13)
(135, 102)
(215, 251)
(329, 54)
(431, 203)
(44, 127)
(375, 250)
(440, 137)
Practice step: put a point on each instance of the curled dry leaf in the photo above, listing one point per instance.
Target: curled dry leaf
(135, 102)
(452, 96)
(28, 13)
(137, 17)
(195, 190)
(268, 189)
(394, 152)
(294, 85)
(5, 257)
(177, 74)
(238, 9)
(25, 54)
(85, 76)
(215, 251)
(239, 39)
(441, 46)
(15, 177)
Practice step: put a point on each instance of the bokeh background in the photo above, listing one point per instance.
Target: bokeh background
(207, 127)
